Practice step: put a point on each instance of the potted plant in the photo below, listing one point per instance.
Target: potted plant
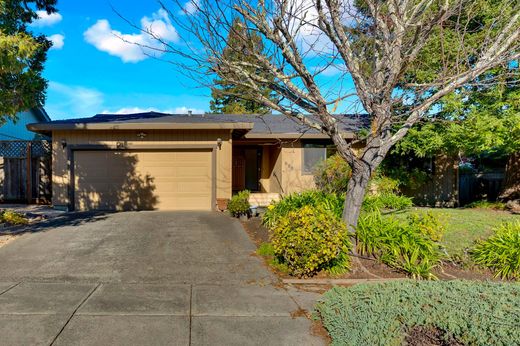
(239, 205)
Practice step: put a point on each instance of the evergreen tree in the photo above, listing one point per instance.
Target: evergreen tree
(241, 45)
(22, 56)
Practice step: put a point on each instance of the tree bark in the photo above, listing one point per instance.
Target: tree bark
(356, 189)
(511, 189)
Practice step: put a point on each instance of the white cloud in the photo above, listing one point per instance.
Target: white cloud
(177, 110)
(75, 100)
(133, 47)
(45, 19)
(57, 41)
(190, 7)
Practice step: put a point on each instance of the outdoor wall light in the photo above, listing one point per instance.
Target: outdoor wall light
(219, 143)
(141, 135)
(63, 143)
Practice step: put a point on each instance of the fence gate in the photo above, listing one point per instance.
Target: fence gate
(25, 171)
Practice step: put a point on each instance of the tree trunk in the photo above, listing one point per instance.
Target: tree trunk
(511, 189)
(356, 190)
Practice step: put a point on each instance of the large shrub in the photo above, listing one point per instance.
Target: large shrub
(501, 252)
(293, 202)
(463, 312)
(239, 204)
(408, 245)
(332, 175)
(310, 239)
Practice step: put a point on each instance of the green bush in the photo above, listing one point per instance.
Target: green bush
(467, 312)
(332, 175)
(293, 202)
(428, 224)
(310, 239)
(386, 200)
(381, 184)
(13, 218)
(406, 245)
(501, 252)
(239, 203)
(487, 205)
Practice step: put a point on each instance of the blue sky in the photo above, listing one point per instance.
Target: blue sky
(92, 70)
(91, 74)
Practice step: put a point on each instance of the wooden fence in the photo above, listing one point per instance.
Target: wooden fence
(25, 171)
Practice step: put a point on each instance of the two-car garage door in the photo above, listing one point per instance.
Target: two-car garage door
(143, 180)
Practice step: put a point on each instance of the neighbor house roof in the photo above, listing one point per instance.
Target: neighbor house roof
(247, 125)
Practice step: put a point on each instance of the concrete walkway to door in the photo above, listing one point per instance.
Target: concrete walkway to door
(144, 278)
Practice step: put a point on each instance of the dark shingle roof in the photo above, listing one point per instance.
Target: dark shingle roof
(272, 124)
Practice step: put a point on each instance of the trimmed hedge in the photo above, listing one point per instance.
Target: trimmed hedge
(464, 312)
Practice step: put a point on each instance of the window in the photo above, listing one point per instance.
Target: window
(314, 153)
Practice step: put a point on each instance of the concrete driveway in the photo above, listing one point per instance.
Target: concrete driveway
(145, 278)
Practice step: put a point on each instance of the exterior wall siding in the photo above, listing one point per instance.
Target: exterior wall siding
(60, 173)
(442, 189)
(18, 131)
(293, 178)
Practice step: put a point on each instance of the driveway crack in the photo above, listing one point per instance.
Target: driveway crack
(190, 317)
(74, 312)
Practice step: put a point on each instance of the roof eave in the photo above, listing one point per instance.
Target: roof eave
(346, 135)
(49, 127)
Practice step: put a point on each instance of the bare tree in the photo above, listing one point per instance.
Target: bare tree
(375, 44)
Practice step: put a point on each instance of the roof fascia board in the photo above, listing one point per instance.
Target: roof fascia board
(38, 127)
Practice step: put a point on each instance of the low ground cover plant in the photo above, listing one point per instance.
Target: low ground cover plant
(501, 251)
(12, 218)
(409, 245)
(394, 313)
(239, 204)
(310, 239)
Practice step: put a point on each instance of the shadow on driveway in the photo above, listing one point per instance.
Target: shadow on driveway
(63, 220)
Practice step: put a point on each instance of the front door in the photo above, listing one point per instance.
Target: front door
(246, 168)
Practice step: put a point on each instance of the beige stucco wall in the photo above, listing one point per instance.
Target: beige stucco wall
(60, 176)
(282, 169)
(293, 179)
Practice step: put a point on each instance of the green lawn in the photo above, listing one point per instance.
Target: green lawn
(464, 226)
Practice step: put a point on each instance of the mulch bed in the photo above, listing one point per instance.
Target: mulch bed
(368, 268)
(429, 336)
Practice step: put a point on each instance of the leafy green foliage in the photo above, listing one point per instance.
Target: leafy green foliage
(295, 201)
(409, 245)
(332, 175)
(242, 45)
(310, 239)
(386, 201)
(239, 203)
(471, 313)
(265, 249)
(487, 205)
(428, 224)
(12, 218)
(501, 252)
(22, 56)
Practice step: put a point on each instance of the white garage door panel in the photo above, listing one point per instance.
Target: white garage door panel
(136, 180)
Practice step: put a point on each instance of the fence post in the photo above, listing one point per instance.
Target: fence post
(29, 173)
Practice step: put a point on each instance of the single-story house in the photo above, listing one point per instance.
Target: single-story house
(180, 162)
(17, 130)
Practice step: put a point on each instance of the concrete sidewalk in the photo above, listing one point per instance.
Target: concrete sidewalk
(146, 279)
